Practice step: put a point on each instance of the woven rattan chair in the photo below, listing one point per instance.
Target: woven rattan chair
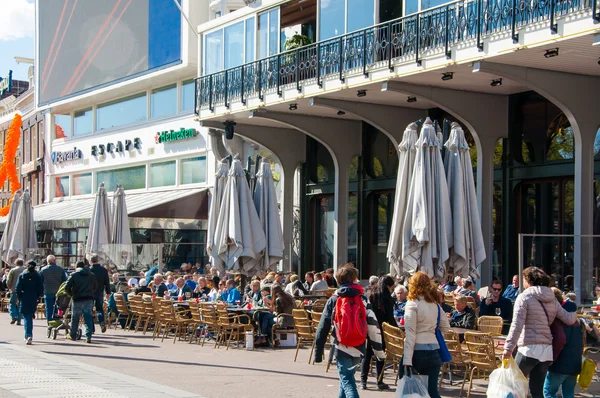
(394, 346)
(304, 330)
(123, 310)
(210, 320)
(482, 353)
(490, 324)
(460, 359)
(172, 320)
(231, 328)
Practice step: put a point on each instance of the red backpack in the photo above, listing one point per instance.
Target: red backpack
(350, 320)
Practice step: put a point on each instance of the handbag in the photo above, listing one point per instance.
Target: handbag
(445, 355)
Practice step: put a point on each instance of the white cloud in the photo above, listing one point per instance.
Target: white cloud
(17, 20)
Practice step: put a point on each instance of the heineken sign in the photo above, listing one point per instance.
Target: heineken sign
(175, 135)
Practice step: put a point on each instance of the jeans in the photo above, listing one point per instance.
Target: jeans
(554, 381)
(78, 308)
(366, 361)
(99, 304)
(28, 325)
(49, 300)
(14, 307)
(346, 368)
(536, 371)
(267, 320)
(426, 363)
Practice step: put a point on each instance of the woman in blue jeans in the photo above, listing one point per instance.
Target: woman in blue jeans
(29, 288)
(421, 349)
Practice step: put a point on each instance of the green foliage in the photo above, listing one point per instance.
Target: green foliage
(296, 41)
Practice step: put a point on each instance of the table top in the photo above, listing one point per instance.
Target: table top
(245, 310)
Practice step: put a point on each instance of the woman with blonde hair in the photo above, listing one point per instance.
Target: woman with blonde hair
(422, 314)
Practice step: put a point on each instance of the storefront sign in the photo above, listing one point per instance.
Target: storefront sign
(6, 84)
(29, 167)
(118, 147)
(59, 157)
(172, 135)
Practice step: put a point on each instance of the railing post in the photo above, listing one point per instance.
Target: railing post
(479, 24)
(553, 25)
(417, 38)
(243, 85)
(298, 70)
(260, 95)
(447, 22)
(210, 93)
(278, 76)
(319, 82)
(341, 54)
(515, 35)
(389, 36)
(364, 62)
(226, 89)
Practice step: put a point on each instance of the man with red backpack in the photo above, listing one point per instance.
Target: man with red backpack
(353, 323)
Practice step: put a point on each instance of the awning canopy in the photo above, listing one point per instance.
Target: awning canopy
(176, 204)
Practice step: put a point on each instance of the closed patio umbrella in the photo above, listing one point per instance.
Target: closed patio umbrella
(99, 232)
(239, 236)
(428, 224)
(8, 228)
(120, 237)
(265, 200)
(23, 238)
(213, 215)
(468, 250)
(405, 170)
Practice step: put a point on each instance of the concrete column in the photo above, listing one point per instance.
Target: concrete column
(576, 96)
(343, 140)
(391, 120)
(289, 145)
(473, 110)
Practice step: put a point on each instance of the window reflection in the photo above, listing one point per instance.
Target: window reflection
(331, 18)
(324, 232)
(163, 101)
(234, 45)
(82, 122)
(213, 58)
(82, 184)
(62, 186)
(193, 170)
(129, 178)
(352, 227)
(187, 96)
(62, 124)
(122, 112)
(361, 14)
(162, 174)
(249, 52)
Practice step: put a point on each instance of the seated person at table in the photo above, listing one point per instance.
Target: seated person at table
(463, 316)
(496, 301)
(282, 303)
(201, 290)
(401, 293)
(143, 287)
(442, 300)
(189, 280)
(171, 286)
(182, 289)
(512, 291)
(295, 287)
(231, 295)
(319, 285)
(468, 291)
(254, 295)
(160, 288)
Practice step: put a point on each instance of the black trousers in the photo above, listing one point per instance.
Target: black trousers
(536, 371)
(366, 361)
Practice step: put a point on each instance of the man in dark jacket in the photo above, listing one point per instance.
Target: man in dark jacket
(52, 276)
(102, 289)
(348, 358)
(491, 305)
(463, 316)
(81, 287)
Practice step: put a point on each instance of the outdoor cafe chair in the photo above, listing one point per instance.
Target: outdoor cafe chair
(150, 315)
(490, 324)
(394, 346)
(305, 331)
(210, 320)
(172, 320)
(319, 305)
(471, 303)
(278, 328)
(136, 306)
(482, 353)
(460, 359)
(196, 325)
(231, 328)
(123, 310)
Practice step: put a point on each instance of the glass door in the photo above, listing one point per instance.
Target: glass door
(380, 210)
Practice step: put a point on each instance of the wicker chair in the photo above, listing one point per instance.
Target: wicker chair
(171, 319)
(210, 320)
(460, 359)
(123, 310)
(304, 330)
(482, 354)
(196, 323)
(230, 326)
(490, 324)
(394, 346)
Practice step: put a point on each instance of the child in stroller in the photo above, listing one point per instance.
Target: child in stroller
(61, 314)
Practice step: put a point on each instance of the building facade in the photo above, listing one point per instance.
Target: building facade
(330, 86)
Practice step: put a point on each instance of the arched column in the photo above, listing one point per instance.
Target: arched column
(289, 145)
(472, 109)
(576, 96)
(343, 140)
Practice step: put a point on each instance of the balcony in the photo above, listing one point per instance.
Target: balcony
(375, 52)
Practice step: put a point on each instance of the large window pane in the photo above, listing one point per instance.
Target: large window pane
(249, 40)
(213, 56)
(130, 178)
(62, 125)
(263, 35)
(82, 122)
(361, 14)
(187, 96)
(234, 45)
(193, 170)
(273, 31)
(82, 184)
(62, 186)
(331, 18)
(162, 174)
(163, 101)
(122, 112)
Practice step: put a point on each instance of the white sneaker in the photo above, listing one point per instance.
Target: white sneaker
(28, 340)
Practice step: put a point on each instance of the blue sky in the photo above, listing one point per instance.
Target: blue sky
(17, 27)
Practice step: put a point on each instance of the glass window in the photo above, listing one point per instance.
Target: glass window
(130, 178)
(273, 31)
(213, 56)
(82, 184)
(62, 186)
(268, 33)
(162, 174)
(187, 96)
(331, 18)
(82, 122)
(121, 112)
(324, 230)
(234, 45)
(62, 125)
(361, 14)
(193, 170)
(249, 40)
(163, 101)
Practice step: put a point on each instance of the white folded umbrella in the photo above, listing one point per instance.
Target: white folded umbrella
(99, 232)
(120, 237)
(8, 228)
(23, 239)
(213, 214)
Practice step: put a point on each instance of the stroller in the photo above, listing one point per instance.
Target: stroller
(62, 314)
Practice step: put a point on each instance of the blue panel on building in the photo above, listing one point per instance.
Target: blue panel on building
(164, 33)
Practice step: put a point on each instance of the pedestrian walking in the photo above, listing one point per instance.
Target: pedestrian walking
(52, 277)
(102, 289)
(11, 282)
(29, 289)
(81, 287)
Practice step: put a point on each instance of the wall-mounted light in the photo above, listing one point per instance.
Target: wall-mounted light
(553, 52)
(411, 99)
(361, 93)
(496, 82)
(229, 129)
(341, 113)
(447, 76)
(293, 107)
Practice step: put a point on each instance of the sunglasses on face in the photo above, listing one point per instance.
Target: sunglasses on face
(496, 289)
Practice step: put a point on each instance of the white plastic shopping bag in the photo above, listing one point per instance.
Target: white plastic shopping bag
(508, 381)
(412, 386)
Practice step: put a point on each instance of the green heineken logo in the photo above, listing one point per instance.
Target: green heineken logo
(173, 135)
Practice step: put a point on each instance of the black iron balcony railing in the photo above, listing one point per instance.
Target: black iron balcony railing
(409, 38)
